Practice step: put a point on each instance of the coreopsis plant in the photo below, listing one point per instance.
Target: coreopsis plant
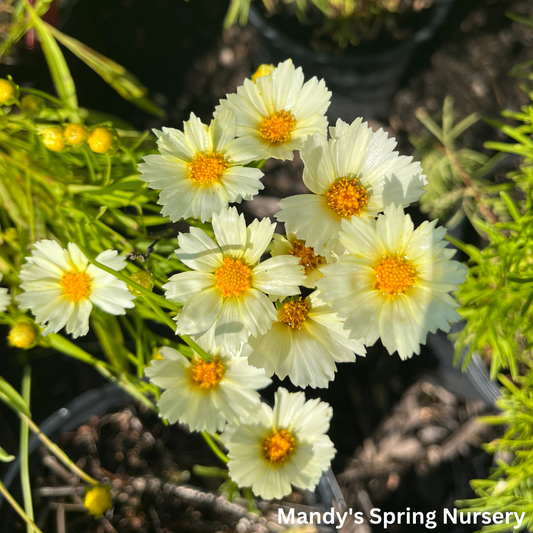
(87, 248)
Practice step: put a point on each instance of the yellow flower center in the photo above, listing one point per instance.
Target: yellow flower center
(76, 286)
(207, 375)
(207, 167)
(294, 313)
(278, 446)
(394, 276)
(308, 259)
(233, 277)
(21, 335)
(277, 127)
(347, 197)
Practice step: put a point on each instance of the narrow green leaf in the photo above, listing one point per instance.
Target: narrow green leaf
(5, 457)
(125, 83)
(57, 64)
(12, 398)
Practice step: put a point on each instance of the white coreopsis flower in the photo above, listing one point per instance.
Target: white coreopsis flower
(281, 446)
(311, 262)
(61, 286)
(278, 111)
(205, 395)
(201, 169)
(305, 343)
(228, 286)
(355, 173)
(394, 281)
(5, 298)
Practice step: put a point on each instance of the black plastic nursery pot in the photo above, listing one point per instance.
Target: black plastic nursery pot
(106, 400)
(362, 82)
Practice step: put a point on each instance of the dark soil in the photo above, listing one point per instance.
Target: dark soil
(150, 467)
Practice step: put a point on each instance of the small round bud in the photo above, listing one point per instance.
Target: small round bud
(76, 134)
(22, 335)
(144, 279)
(32, 104)
(103, 140)
(54, 139)
(263, 70)
(11, 234)
(9, 92)
(98, 500)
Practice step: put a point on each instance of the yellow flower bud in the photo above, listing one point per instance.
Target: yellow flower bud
(54, 139)
(32, 104)
(144, 279)
(103, 140)
(8, 92)
(22, 335)
(98, 500)
(76, 134)
(263, 70)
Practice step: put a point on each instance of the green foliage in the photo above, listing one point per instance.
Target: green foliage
(457, 184)
(347, 22)
(510, 486)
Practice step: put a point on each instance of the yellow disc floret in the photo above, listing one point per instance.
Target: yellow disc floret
(308, 259)
(263, 70)
(278, 446)
(76, 134)
(76, 286)
(98, 500)
(8, 92)
(103, 140)
(394, 276)
(347, 197)
(233, 277)
(207, 167)
(22, 335)
(277, 127)
(207, 375)
(53, 139)
(294, 313)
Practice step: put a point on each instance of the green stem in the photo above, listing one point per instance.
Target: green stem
(216, 450)
(24, 460)
(160, 300)
(57, 451)
(7, 495)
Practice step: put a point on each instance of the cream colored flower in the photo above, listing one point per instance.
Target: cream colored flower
(205, 395)
(355, 173)
(305, 343)
(201, 170)
(60, 287)
(278, 111)
(309, 261)
(394, 281)
(281, 446)
(5, 298)
(228, 285)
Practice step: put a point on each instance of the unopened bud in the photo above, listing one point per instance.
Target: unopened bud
(22, 335)
(263, 70)
(144, 279)
(76, 134)
(54, 139)
(98, 500)
(104, 140)
(8, 92)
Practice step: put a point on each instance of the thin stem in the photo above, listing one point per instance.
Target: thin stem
(108, 170)
(7, 495)
(24, 460)
(216, 450)
(57, 451)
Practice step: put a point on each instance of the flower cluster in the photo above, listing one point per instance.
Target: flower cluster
(351, 269)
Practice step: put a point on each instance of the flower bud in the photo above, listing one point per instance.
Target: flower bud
(8, 92)
(54, 139)
(32, 104)
(144, 279)
(76, 134)
(263, 70)
(103, 140)
(22, 335)
(98, 500)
